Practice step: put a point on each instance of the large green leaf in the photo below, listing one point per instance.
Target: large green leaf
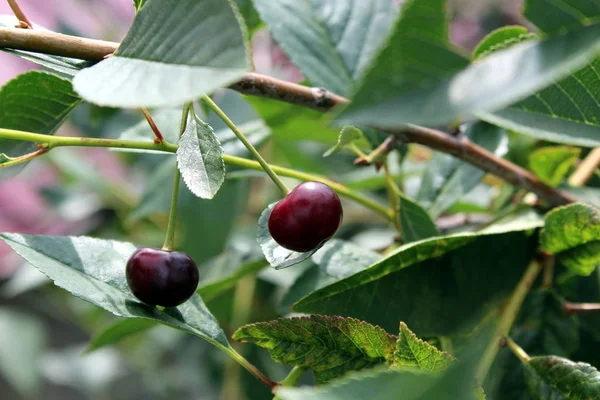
(430, 84)
(175, 51)
(573, 234)
(565, 112)
(575, 381)
(329, 346)
(551, 164)
(94, 270)
(416, 354)
(331, 42)
(34, 102)
(437, 286)
(336, 260)
(200, 158)
(64, 65)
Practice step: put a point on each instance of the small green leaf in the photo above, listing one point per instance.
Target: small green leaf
(118, 331)
(415, 222)
(573, 234)
(175, 51)
(348, 135)
(329, 346)
(416, 354)
(575, 381)
(279, 257)
(94, 270)
(551, 164)
(501, 38)
(200, 159)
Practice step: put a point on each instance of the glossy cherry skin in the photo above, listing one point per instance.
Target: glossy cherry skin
(161, 278)
(306, 218)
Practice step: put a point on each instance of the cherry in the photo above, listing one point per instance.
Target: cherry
(306, 218)
(160, 277)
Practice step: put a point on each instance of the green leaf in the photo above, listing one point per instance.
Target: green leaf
(561, 15)
(200, 158)
(499, 39)
(347, 136)
(94, 270)
(331, 42)
(33, 102)
(433, 85)
(564, 112)
(138, 4)
(279, 257)
(64, 65)
(447, 179)
(537, 388)
(573, 234)
(415, 222)
(24, 341)
(118, 331)
(551, 164)
(575, 381)
(290, 122)
(336, 260)
(415, 354)
(175, 51)
(329, 346)
(437, 286)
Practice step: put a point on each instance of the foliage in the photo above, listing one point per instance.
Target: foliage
(464, 226)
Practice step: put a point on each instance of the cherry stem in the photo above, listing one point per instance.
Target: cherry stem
(393, 196)
(250, 367)
(292, 378)
(517, 350)
(170, 234)
(16, 9)
(581, 308)
(159, 136)
(52, 142)
(586, 169)
(266, 167)
(511, 310)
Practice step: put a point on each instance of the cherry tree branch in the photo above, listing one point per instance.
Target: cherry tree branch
(316, 98)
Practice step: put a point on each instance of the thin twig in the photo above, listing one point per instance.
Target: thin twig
(16, 9)
(159, 136)
(586, 169)
(316, 98)
(581, 308)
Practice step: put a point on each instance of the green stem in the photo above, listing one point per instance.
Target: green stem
(249, 367)
(170, 234)
(446, 344)
(266, 167)
(517, 350)
(507, 319)
(62, 141)
(292, 379)
(393, 197)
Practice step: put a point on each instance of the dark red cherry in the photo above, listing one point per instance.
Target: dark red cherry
(307, 217)
(161, 278)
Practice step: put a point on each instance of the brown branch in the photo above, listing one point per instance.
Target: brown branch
(316, 98)
(157, 133)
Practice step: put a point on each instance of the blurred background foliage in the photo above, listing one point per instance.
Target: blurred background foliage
(44, 331)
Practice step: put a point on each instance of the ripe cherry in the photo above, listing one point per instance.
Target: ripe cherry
(160, 277)
(306, 218)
